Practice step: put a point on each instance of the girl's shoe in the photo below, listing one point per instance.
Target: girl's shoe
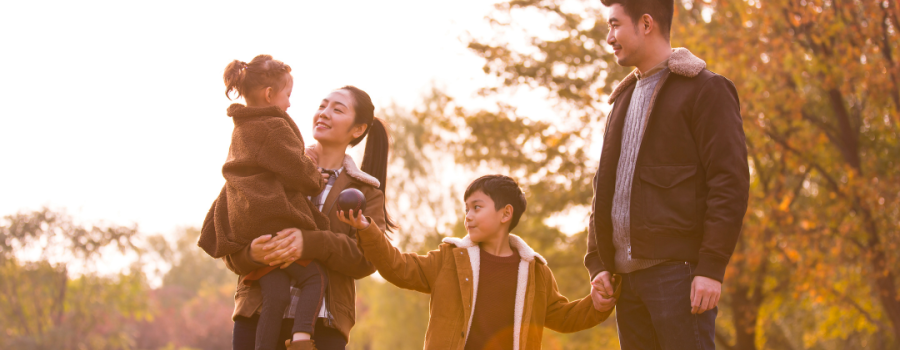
(300, 345)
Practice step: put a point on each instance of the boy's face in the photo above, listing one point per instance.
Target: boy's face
(483, 221)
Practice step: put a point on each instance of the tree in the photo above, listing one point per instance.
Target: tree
(819, 87)
(42, 307)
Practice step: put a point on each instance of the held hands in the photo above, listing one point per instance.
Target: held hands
(705, 293)
(358, 222)
(602, 292)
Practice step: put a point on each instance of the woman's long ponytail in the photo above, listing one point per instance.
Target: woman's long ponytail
(378, 144)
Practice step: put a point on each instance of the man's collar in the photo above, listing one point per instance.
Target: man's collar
(656, 69)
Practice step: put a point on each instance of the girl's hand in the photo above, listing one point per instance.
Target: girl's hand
(359, 222)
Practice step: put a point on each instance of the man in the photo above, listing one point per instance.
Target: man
(672, 186)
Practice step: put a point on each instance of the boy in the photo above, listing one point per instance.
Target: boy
(489, 290)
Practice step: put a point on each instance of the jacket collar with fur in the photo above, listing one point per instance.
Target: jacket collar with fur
(359, 175)
(681, 62)
(528, 256)
(350, 168)
(525, 252)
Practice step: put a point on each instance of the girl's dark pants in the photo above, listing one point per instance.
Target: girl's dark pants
(276, 296)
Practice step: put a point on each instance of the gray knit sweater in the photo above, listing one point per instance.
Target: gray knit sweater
(631, 144)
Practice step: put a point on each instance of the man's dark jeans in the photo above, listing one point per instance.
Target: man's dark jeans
(654, 310)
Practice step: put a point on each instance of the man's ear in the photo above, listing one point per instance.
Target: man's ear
(358, 130)
(269, 94)
(507, 214)
(647, 24)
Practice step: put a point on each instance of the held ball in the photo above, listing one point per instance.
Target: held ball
(351, 198)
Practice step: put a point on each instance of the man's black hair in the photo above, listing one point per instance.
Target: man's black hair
(503, 190)
(662, 12)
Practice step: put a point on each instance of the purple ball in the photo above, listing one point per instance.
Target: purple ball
(351, 198)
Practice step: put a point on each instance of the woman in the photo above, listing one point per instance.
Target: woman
(344, 118)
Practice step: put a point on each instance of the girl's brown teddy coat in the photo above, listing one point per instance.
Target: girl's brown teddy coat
(268, 178)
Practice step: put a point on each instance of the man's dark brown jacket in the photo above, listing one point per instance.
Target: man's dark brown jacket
(691, 179)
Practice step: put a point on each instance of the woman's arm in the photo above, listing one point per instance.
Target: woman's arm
(338, 251)
(262, 251)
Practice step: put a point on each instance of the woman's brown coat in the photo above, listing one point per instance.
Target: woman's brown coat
(336, 249)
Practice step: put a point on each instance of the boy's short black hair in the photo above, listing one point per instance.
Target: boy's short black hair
(503, 190)
(662, 12)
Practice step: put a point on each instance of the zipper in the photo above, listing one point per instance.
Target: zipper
(329, 318)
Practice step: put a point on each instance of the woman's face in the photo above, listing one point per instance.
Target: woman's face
(333, 121)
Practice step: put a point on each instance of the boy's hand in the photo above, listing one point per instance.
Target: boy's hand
(603, 284)
(359, 221)
(601, 303)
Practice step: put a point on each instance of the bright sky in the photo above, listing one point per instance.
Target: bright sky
(116, 110)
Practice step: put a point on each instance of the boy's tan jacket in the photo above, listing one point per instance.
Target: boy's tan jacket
(450, 275)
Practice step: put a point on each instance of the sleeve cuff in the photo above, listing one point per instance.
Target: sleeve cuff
(712, 266)
(245, 263)
(314, 239)
(368, 235)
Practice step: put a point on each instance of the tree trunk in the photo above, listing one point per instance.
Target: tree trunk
(745, 312)
(885, 281)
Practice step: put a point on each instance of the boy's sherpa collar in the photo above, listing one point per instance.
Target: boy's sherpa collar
(525, 252)
(354, 172)
(681, 62)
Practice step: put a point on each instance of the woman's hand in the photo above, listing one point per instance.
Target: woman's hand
(265, 245)
(291, 251)
(281, 248)
(359, 222)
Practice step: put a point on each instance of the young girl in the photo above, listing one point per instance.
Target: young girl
(268, 182)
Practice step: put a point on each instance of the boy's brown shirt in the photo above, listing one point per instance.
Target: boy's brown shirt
(268, 179)
(448, 275)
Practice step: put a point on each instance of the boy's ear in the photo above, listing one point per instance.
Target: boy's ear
(507, 214)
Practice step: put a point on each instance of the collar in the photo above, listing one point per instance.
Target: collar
(681, 62)
(525, 252)
(656, 69)
(353, 171)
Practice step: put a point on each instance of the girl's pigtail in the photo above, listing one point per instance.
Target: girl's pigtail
(234, 76)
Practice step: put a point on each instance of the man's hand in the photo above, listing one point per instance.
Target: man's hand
(601, 303)
(603, 284)
(705, 293)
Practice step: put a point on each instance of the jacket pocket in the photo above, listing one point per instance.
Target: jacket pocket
(669, 196)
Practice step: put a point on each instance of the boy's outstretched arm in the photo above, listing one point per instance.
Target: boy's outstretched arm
(405, 270)
(568, 317)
